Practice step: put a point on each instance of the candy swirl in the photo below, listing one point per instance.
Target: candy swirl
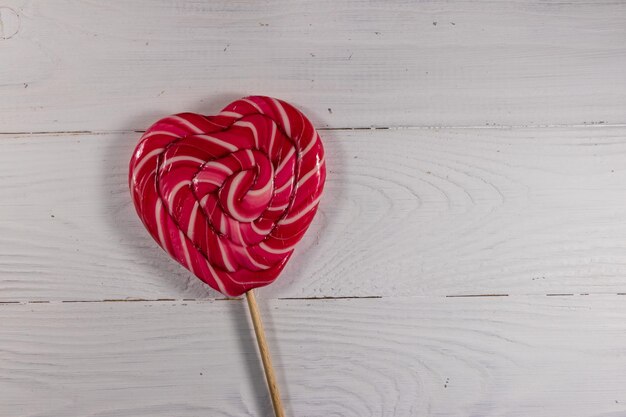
(229, 196)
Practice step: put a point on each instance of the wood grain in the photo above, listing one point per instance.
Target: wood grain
(519, 196)
(519, 356)
(119, 65)
(405, 212)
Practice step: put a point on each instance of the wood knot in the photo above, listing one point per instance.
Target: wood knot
(9, 23)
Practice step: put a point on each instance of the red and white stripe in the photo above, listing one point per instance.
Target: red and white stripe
(229, 196)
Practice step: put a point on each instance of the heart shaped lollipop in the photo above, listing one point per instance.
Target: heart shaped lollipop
(229, 196)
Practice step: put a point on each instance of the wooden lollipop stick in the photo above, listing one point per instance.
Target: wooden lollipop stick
(265, 354)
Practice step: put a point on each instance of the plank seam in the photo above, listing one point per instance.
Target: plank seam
(417, 127)
(328, 298)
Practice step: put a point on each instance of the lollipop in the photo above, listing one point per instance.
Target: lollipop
(229, 196)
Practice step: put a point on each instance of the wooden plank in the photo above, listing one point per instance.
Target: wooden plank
(515, 356)
(120, 65)
(405, 212)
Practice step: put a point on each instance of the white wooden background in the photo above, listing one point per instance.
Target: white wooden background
(469, 257)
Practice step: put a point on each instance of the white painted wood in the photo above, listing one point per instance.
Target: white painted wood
(425, 213)
(405, 212)
(119, 65)
(421, 356)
